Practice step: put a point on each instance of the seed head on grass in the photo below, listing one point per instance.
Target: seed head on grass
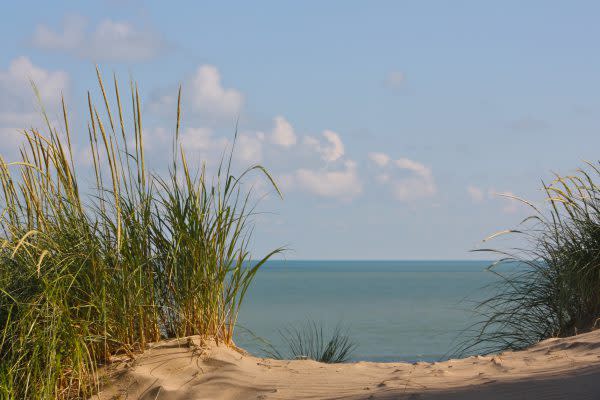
(138, 258)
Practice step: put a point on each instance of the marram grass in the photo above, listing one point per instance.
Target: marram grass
(551, 287)
(86, 274)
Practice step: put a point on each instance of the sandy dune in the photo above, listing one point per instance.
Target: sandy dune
(193, 369)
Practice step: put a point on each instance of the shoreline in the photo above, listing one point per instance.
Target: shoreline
(192, 368)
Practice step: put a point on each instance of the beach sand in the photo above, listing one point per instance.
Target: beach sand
(192, 368)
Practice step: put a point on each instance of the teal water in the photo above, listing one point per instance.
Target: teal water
(394, 310)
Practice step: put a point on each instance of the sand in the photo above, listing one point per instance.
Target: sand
(194, 369)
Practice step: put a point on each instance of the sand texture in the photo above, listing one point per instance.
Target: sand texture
(194, 369)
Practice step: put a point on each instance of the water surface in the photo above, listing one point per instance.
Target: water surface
(394, 310)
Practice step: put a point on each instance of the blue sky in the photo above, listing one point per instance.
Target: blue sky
(391, 126)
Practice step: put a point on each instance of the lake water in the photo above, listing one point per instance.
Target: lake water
(393, 310)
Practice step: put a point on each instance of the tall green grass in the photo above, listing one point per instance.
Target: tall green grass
(86, 274)
(551, 287)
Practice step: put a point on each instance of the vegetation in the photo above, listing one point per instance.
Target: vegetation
(138, 258)
(552, 287)
(309, 341)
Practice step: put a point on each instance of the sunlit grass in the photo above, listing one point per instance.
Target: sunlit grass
(85, 274)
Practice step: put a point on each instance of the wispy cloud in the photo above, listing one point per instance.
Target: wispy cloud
(395, 80)
(418, 185)
(18, 106)
(528, 124)
(343, 183)
(381, 159)
(476, 194)
(250, 147)
(508, 200)
(409, 180)
(109, 40)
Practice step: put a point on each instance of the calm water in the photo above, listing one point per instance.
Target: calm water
(395, 310)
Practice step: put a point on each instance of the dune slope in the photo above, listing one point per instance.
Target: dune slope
(194, 369)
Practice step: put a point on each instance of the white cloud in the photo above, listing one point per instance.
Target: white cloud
(18, 106)
(414, 166)
(283, 133)
(344, 184)
(249, 148)
(209, 96)
(201, 139)
(395, 79)
(201, 144)
(109, 41)
(157, 138)
(335, 149)
(330, 151)
(476, 194)
(419, 185)
(381, 159)
(12, 123)
(16, 81)
(415, 183)
(205, 100)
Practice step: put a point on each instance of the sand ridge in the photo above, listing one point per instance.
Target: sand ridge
(192, 368)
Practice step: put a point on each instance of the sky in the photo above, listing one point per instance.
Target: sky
(395, 129)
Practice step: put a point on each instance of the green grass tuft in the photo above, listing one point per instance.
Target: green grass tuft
(550, 288)
(310, 341)
(137, 259)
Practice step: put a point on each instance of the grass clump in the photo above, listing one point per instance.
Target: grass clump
(310, 341)
(136, 259)
(550, 288)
